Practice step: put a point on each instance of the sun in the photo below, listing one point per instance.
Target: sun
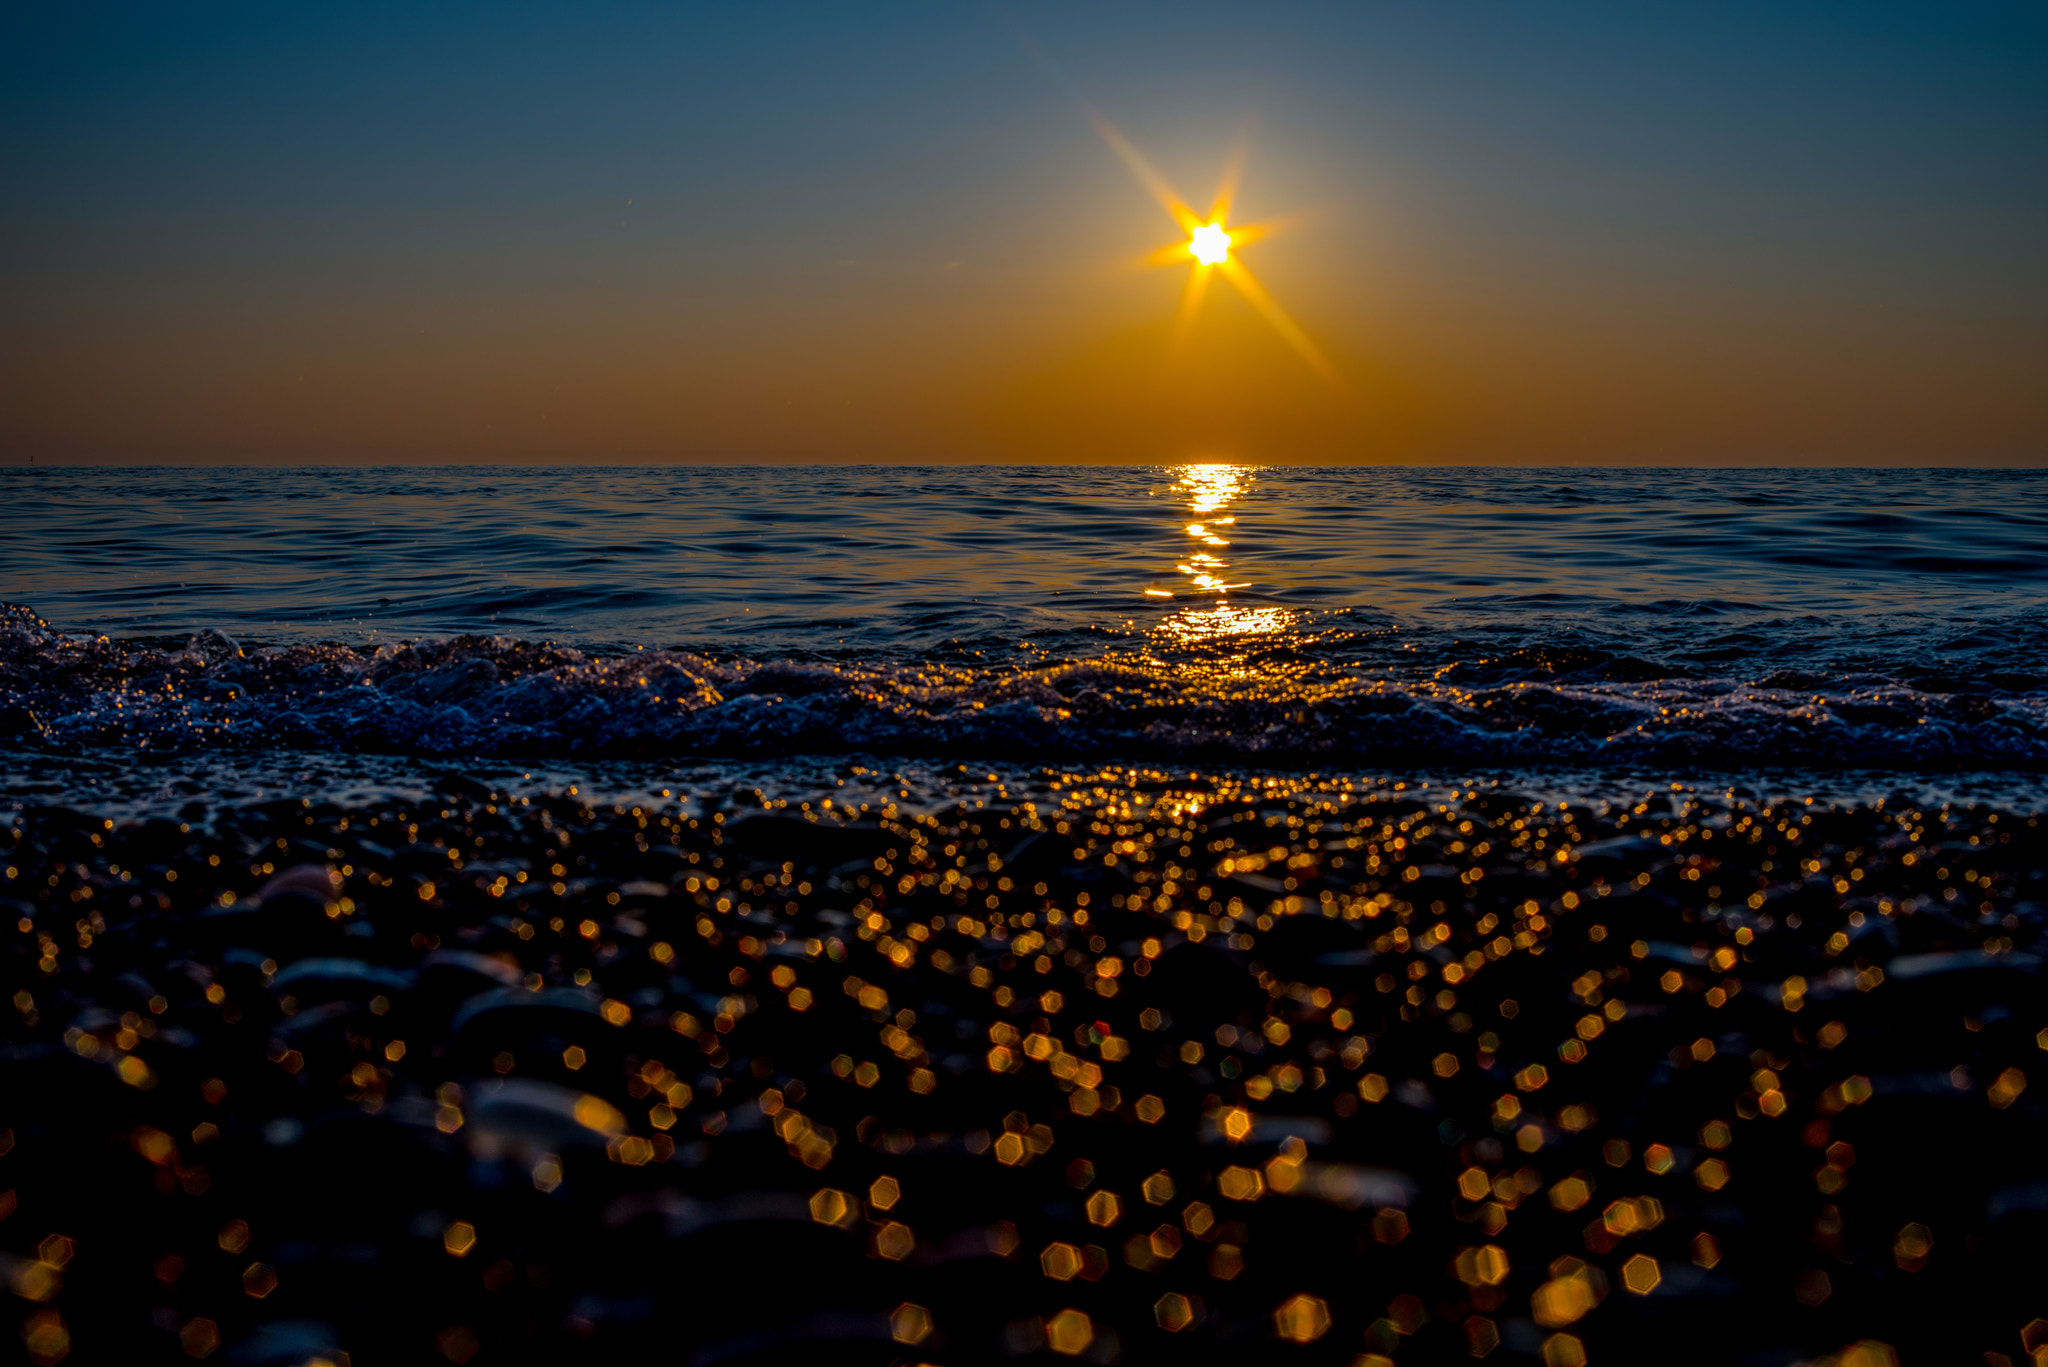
(1213, 246)
(1210, 245)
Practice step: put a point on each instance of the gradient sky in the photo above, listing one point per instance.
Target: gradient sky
(1603, 232)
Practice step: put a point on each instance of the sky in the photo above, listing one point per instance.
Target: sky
(1574, 232)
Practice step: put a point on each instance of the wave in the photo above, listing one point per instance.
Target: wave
(477, 696)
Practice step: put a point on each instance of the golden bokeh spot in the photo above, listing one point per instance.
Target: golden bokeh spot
(832, 1207)
(1158, 1188)
(1060, 1261)
(1173, 1312)
(1632, 1215)
(199, 1338)
(1866, 1353)
(600, 1116)
(1571, 1193)
(46, 1337)
(1104, 1209)
(2006, 1088)
(1911, 1247)
(894, 1241)
(459, 1238)
(1487, 1266)
(1640, 1274)
(36, 1282)
(1407, 1314)
(1563, 1350)
(1566, 1297)
(1237, 1123)
(884, 1193)
(910, 1323)
(1390, 1226)
(632, 1150)
(259, 1280)
(1302, 1319)
(1240, 1184)
(1069, 1333)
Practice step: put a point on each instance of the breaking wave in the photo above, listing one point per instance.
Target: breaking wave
(474, 696)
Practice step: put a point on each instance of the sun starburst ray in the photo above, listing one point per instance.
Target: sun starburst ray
(1190, 304)
(1233, 171)
(1255, 294)
(1155, 184)
(1209, 245)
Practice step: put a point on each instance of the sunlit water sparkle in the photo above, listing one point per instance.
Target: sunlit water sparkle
(1831, 619)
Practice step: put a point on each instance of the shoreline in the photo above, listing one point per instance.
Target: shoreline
(1371, 1072)
(135, 786)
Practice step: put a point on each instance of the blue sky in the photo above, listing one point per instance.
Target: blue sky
(1579, 231)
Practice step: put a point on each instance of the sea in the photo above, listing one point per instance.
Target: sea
(173, 636)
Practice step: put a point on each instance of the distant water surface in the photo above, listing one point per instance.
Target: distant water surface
(1281, 611)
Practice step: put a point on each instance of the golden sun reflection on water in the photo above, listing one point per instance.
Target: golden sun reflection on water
(1211, 490)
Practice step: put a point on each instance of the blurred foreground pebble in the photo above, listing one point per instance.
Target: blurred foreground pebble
(1145, 1070)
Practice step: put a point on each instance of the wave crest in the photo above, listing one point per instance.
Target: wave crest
(500, 696)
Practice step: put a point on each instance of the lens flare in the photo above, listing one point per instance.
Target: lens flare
(1210, 244)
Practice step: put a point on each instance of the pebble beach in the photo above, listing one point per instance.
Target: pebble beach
(1117, 1066)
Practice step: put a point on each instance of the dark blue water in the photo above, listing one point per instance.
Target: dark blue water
(1835, 619)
